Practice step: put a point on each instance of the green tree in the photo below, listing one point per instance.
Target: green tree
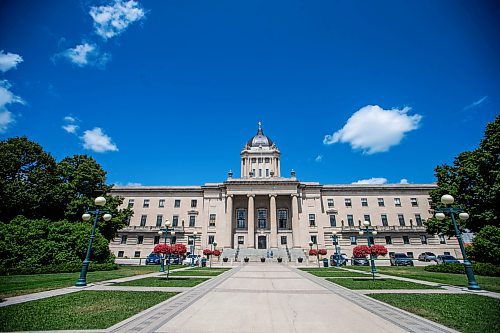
(474, 181)
(486, 245)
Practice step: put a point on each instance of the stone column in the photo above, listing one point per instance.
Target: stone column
(295, 221)
(251, 221)
(274, 224)
(229, 221)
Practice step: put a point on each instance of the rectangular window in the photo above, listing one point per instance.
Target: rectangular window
(414, 202)
(159, 219)
(212, 220)
(267, 172)
(350, 221)
(348, 202)
(211, 239)
(364, 202)
(175, 221)
(418, 219)
(283, 240)
(383, 217)
(161, 203)
(194, 203)
(282, 218)
(260, 159)
(145, 204)
(314, 239)
(388, 240)
(380, 202)
(353, 240)
(423, 239)
(446, 253)
(120, 254)
(406, 240)
(137, 254)
(401, 219)
(253, 173)
(173, 239)
(177, 203)
(156, 240)
(260, 172)
(330, 203)
(312, 220)
(397, 202)
(190, 241)
(240, 218)
(262, 218)
(267, 160)
(442, 240)
(409, 254)
(241, 240)
(371, 241)
(140, 239)
(123, 240)
(192, 220)
(143, 220)
(333, 221)
(367, 218)
(130, 203)
(254, 160)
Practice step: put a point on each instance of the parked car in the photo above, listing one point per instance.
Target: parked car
(427, 256)
(175, 260)
(341, 259)
(401, 259)
(360, 261)
(447, 259)
(153, 259)
(190, 258)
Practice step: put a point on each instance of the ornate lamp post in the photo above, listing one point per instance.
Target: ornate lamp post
(99, 202)
(447, 200)
(165, 232)
(335, 240)
(369, 232)
(194, 237)
(317, 250)
(213, 246)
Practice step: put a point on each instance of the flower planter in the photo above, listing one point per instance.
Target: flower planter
(225, 259)
(300, 259)
(262, 259)
(280, 259)
(246, 259)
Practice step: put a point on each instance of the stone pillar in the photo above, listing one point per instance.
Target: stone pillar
(229, 221)
(295, 221)
(251, 221)
(274, 224)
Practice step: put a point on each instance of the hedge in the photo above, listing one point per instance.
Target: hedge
(479, 269)
(69, 267)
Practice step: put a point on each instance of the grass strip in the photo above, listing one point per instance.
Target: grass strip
(466, 313)
(200, 272)
(332, 272)
(163, 282)
(379, 284)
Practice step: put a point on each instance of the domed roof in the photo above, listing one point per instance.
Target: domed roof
(260, 139)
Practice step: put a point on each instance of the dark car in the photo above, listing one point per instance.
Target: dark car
(447, 259)
(153, 259)
(175, 260)
(341, 259)
(427, 256)
(401, 259)
(360, 261)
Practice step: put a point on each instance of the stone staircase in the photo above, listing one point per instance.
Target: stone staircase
(254, 255)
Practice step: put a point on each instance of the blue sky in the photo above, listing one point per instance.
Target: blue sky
(168, 92)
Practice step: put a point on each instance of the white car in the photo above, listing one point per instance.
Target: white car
(190, 258)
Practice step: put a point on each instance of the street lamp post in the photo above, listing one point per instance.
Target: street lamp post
(194, 237)
(335, 240)
(369, 232)
(213, 246)
(317, 250)
(165, 231)
(447, 200)
(99, 202)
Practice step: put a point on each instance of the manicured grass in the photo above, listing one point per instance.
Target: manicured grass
(163, 282)
(81, 310)
(201, 271)
(378, 284)
(486, 282)
(466, 313)
(331, 272)
(15, 285)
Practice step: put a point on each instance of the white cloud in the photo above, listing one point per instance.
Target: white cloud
(374, 130)
(404, 181)
(70, 128)
(69, 119)
(319, 158)
(476, 103)
(6, 98)
(112, 20)
(9, 61)
(97, 141)
(134, 184)
(372, 181)
(86, 55)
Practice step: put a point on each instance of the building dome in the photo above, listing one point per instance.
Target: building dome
(260, 140)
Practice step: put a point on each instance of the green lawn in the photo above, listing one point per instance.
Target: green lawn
(81, 310)
(14, 285)
(486, 282)
(201, 271)
(331, 272)
(163, 282)
(465, 313)
(378, 284)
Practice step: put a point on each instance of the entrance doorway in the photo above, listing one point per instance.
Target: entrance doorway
(262, 242)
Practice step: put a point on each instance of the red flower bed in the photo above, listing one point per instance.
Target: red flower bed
(179, 249)
(322, 252)
(360, 251)
(207, 252)
(313, 252)
(161, 249)
(216, 253)
(378, 250)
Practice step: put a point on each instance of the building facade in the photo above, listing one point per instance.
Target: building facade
(263, 210)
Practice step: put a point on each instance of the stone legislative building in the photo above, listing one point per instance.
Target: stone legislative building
(264, 210)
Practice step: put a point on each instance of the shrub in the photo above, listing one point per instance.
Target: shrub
(161, 249)
(486, 245)
(484, 269)
(313, 252)
(207, 252)
(322, 252)
(216, 253)
(69, 267)
(378, 250)
(360, 251)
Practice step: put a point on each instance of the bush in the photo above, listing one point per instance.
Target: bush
(486, 245)
(360, 251)
(69, 267)
(484, 269)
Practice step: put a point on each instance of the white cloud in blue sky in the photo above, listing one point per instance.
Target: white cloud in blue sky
(404, 181)
(476, 103)
(86, 54)
(70, 125)
(374, 130)
(112, 20)
(97, 141)
(7, 98)
(372, 181)
(9, 60)
(318, 158)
